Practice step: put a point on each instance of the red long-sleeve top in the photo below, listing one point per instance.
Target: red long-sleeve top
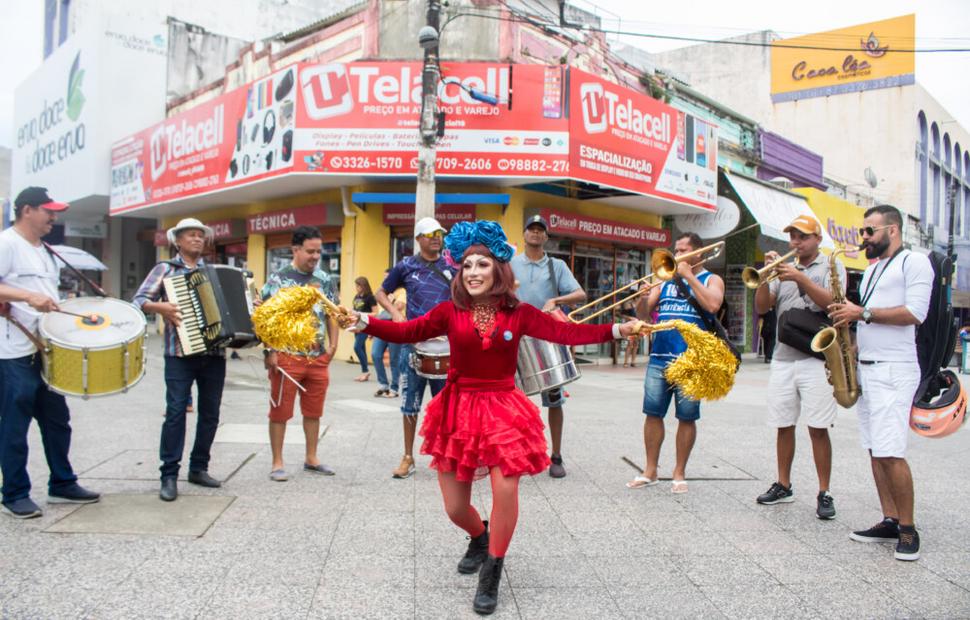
(494, 357)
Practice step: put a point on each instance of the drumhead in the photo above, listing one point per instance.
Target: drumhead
(119, 321)
(435, 346)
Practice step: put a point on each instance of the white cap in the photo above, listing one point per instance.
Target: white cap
(427, 225)
(189, 223)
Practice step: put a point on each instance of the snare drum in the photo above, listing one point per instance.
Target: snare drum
(432, 358)
(93, 358)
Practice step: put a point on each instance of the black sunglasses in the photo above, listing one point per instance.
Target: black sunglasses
(871, 230)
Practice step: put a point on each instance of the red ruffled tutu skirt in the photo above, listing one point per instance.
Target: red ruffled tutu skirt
(472, 426)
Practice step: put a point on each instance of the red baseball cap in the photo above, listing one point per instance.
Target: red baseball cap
(38, 197)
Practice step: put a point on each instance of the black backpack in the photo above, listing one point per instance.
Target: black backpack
(936, 336)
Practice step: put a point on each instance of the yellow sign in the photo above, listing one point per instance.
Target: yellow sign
(865, 57)
(842, 220)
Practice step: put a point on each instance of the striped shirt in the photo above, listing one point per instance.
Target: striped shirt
(668, 345)
(152, 289)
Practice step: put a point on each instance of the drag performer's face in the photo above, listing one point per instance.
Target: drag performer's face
(478, 274)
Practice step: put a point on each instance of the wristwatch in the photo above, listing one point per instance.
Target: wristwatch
(867, 316)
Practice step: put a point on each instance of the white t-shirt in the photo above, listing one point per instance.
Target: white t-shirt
(25, 266)
(907, 281)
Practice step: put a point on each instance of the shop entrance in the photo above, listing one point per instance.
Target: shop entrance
(600, 269)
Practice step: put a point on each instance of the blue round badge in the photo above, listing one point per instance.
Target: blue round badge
(507, 335)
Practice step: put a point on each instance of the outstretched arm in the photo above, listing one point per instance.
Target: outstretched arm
(434, 323)
(542, 326)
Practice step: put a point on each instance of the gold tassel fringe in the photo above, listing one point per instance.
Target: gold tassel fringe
(286, 321)
(705, 371)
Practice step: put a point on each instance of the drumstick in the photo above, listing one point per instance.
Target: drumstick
(287, 375)
(90, 317)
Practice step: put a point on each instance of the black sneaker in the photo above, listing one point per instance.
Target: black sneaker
(74, 494)
(776, 494)
(907, 549)
(23, 508)
(886, 530)
(824, 506)
(556, 470)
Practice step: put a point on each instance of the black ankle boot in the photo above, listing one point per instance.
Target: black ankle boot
(486, 598)
(476, 554)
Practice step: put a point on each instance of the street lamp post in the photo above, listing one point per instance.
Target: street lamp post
(424, 200)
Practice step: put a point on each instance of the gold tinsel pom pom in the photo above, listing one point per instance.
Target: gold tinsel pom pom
(286, 321)
(705, 371)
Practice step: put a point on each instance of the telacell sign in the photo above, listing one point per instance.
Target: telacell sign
(329, 90)
(603, 109)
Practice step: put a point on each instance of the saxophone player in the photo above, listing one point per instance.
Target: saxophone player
(895, 298)
(798, 386)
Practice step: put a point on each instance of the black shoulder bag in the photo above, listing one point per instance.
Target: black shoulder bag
(710, 321)
(438, 272)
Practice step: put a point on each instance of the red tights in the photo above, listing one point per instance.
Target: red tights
(505, 508)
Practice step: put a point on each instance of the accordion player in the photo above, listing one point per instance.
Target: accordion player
(216, 303)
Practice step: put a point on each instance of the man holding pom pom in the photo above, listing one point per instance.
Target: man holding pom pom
(673, 300)
(305, 372)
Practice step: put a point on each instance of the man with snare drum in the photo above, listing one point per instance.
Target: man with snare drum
(546, 283)
(28, 287)
(426, 277)
(207, 370)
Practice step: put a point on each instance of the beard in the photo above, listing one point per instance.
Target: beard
(876, 249)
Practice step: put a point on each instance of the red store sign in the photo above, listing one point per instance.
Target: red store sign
(572, 225)
(287, 220)
(221, 231)
(447, 215)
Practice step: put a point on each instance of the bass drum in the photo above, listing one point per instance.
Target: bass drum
(544, 365)
(99, 357)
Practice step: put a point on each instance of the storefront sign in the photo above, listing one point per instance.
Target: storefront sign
(625, 139)
(227, 229)
(241, 136)
(362, 118)
(711, 225)
(870, 56)
(70, 110)
(573, 225)
(287, 220)
(91, 230)
(447, 215)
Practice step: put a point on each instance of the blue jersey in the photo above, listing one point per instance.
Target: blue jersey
(668, 345)
(426, 287)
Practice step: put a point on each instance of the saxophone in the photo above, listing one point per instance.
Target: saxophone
(836, 345)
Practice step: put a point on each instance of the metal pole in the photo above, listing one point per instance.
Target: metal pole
(424, 200)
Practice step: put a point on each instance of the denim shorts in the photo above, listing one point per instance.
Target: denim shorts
(657, 393)
(553, 398)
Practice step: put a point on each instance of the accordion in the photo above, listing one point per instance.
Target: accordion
(216, 303)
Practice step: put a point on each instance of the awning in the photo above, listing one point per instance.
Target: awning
(772, 207)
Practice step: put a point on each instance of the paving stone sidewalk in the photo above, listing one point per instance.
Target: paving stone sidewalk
(361, 545)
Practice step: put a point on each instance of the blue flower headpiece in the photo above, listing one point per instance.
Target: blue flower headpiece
(488, 233)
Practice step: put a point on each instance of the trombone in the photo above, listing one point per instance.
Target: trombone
(664, 266)
(753, 278)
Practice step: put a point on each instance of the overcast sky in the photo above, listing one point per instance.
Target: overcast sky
(939, 23)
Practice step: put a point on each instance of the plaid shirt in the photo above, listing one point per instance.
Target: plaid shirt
(153, 290)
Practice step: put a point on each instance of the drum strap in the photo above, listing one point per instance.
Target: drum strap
(5, 313)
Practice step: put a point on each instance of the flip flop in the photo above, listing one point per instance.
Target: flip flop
(641, 481)
(278, 475)
(678, 486)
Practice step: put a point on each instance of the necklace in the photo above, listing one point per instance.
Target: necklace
(483, 316)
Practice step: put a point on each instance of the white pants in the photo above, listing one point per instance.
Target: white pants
(888, 389)
(800, 387)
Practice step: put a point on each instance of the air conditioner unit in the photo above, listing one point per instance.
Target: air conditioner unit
(782, 182)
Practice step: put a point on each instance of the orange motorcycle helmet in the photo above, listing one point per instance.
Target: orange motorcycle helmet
(940, 407)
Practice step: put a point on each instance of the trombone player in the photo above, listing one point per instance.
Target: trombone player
(798, 385)
(691, 288)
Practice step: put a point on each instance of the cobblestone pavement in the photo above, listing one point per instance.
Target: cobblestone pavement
(361, 545)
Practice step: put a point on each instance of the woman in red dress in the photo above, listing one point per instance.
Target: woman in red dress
(481, 424)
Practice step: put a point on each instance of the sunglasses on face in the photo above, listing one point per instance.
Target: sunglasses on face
(871, 230)
(432, 235)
